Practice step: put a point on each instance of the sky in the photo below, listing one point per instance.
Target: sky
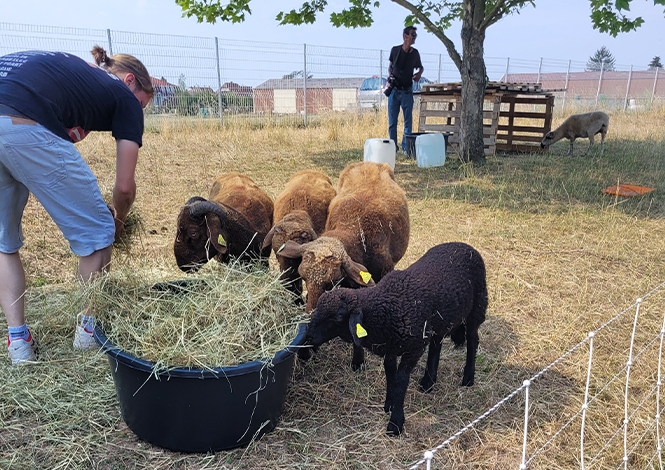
(554, 29)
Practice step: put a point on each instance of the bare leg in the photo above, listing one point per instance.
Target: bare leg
(95, 264)
(12, 288)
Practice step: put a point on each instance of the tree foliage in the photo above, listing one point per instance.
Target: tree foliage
(655, 63)
(601, 60)
(297, 74)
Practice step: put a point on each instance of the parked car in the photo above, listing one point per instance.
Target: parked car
(371, 94)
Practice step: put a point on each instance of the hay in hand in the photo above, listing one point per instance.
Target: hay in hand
(134, 227)
(223, 316)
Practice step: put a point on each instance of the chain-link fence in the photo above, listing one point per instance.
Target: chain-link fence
(231, 79)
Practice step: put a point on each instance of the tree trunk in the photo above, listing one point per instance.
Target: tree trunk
(474, 81)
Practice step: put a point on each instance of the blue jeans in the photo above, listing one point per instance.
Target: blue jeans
(397, 99)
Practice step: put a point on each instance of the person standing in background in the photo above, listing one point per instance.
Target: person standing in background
(403, 61)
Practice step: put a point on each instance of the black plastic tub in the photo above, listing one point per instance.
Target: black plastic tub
(200, 410)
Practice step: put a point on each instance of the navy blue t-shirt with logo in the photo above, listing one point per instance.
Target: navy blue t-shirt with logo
(63, 92)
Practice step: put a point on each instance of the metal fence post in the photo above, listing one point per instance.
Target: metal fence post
(438, 77)
(219, 80)
(625, 100)
(600, 81)
(304, 82)
(505, 77)
(381, 77)
(565, 88)
(108, 35)
(540, 67)
(655, 82)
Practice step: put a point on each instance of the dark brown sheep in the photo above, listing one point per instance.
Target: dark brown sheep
(367, 232)
(232, 223)
(301, 211)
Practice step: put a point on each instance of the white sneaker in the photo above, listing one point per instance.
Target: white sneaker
(21, 351)
(84, 339)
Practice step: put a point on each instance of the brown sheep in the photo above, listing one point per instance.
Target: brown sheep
(300, 215)
(580, 125)
(367, 231)
(232, 223)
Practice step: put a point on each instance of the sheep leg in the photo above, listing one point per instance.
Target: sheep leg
(431, 371)
(592, 141)
(358, 361)
(471, 349)
(570, 149)
(390, 368)
(399, 385)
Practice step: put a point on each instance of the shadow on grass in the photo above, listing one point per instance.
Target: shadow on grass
(549, 182)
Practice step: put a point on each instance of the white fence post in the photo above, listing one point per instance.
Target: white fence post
(625, 398)
(565, 91)
(219, 81)
(585, 406)
(505, 77)
(304, 84)
(540, 67)
(108, 35)
(655, 82)
(625, 101)
(527, 384)
(600, 81)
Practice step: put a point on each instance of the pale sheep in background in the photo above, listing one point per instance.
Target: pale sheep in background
(580, 125)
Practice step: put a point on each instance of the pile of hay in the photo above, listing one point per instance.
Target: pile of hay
(222, 316)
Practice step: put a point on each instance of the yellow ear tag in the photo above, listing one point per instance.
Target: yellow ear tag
(365, 276)
(220, 240)
(360, 331)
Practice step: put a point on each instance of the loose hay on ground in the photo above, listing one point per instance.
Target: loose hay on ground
(223, 316)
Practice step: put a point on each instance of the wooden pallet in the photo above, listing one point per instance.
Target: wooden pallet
(456, 87)
(511, 129)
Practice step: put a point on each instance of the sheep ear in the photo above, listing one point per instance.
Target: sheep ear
(356, 327)
(290, 249)
(215, 234)
(267, 241)
(358, 273)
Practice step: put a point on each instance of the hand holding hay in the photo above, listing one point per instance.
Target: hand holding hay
(126, 230)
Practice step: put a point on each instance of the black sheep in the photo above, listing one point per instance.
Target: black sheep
(442, 294)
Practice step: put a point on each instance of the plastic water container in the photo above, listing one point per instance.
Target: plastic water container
(430, 150)
(380, 151)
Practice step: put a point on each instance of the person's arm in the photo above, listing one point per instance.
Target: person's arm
(124, 190)
(390, 68)
(419, 73)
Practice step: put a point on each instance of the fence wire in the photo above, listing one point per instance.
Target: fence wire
(229, 79)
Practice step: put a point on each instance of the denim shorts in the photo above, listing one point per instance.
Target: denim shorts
(34, 160)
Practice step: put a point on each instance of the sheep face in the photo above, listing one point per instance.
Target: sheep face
(190, 248)
(330, 319)
(547, 140)
(325, 264)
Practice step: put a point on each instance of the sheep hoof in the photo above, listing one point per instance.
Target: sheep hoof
(304, 354)
(466, 382)
(394, 430)
(358, 367)
(426, 385)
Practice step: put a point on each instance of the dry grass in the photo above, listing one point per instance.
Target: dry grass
(561, 257)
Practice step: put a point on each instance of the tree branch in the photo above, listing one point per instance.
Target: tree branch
(494, 15)
(432, 28)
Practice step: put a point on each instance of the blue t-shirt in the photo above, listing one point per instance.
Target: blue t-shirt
(62, 92)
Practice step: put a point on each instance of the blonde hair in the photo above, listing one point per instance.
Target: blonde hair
(124, 63)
